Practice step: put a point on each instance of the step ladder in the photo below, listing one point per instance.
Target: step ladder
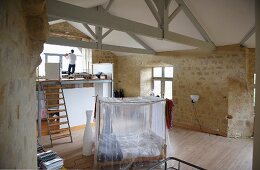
(57, 116)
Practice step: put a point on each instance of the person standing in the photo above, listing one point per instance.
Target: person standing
(72, 62)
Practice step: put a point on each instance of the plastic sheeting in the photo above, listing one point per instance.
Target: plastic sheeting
(130, 130)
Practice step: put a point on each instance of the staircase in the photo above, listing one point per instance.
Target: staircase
(57, 116)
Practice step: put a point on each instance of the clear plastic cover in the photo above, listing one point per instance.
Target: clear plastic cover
(130, 131)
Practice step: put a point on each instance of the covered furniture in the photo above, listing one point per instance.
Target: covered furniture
(130, 130)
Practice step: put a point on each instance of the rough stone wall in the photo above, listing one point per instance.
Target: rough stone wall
(127, 74)
(23, 29)
(240, 100)
(250, 68)
(208, 75)
(99, 56)
(241, 109)
(145, 81)
(66, 30)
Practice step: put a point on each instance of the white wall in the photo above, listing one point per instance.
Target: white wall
(78, 100)
(106, 68)
(107, 90)
(103, 89)
(52, 71)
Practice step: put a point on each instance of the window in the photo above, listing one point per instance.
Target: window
(168, 72)
(59, 58)
(79, 64)
(168, 89)
(157, 72)
(162, 81)
(53, 59)
(157, 87)
(65, 63)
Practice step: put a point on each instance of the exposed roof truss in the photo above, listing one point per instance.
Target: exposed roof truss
(247, 36)
(90, 31)
(137, 39)
(94, 45)
(99, 17)
(193, 19)
(109, 5)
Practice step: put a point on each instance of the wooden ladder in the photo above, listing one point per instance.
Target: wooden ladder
(57, 116)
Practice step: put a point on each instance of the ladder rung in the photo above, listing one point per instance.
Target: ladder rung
(61, 136)
(56, 124)
(55, 111)
(59, 130)
(53, 105)
(52, 93)
(57, 117)
(52, 87)
(55, 99)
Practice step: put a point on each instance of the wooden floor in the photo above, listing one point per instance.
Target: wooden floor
(208, 151)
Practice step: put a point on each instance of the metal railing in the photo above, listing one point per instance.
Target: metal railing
(179, 164)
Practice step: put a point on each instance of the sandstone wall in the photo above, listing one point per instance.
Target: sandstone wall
(65, 30)
(220, 78)
(99, 56)
(241, 99)
(23, 29)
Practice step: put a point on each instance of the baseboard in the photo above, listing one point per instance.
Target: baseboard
(195, 128)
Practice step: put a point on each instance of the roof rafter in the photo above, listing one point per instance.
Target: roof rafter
(160, 6)
(109, 5)
(167, 3)
(99, 35)
(174, 13)
(99, 29)
(141, 42)
(154, 11)
(94, 45)
(163, 11)
(248, 35)
(70, 42)
(94, 17)
(138, 40)
(125, 49)
(106, 33)
(194, 21)
(90, 31)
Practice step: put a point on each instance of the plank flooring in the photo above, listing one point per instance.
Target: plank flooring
(208, 151)
(211, 151)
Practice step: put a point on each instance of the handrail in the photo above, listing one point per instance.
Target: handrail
(176, 159)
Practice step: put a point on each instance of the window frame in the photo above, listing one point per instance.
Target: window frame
(61, 57)
(163, 79)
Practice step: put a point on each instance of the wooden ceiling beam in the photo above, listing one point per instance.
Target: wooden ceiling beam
(248, 35)
(94, 45)
(104, 19)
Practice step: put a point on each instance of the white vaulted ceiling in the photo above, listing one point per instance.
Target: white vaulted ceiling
(225, 21)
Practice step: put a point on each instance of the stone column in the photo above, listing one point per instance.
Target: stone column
(23, 30)
(256, 151)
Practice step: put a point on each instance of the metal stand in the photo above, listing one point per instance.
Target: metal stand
(179, 164)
